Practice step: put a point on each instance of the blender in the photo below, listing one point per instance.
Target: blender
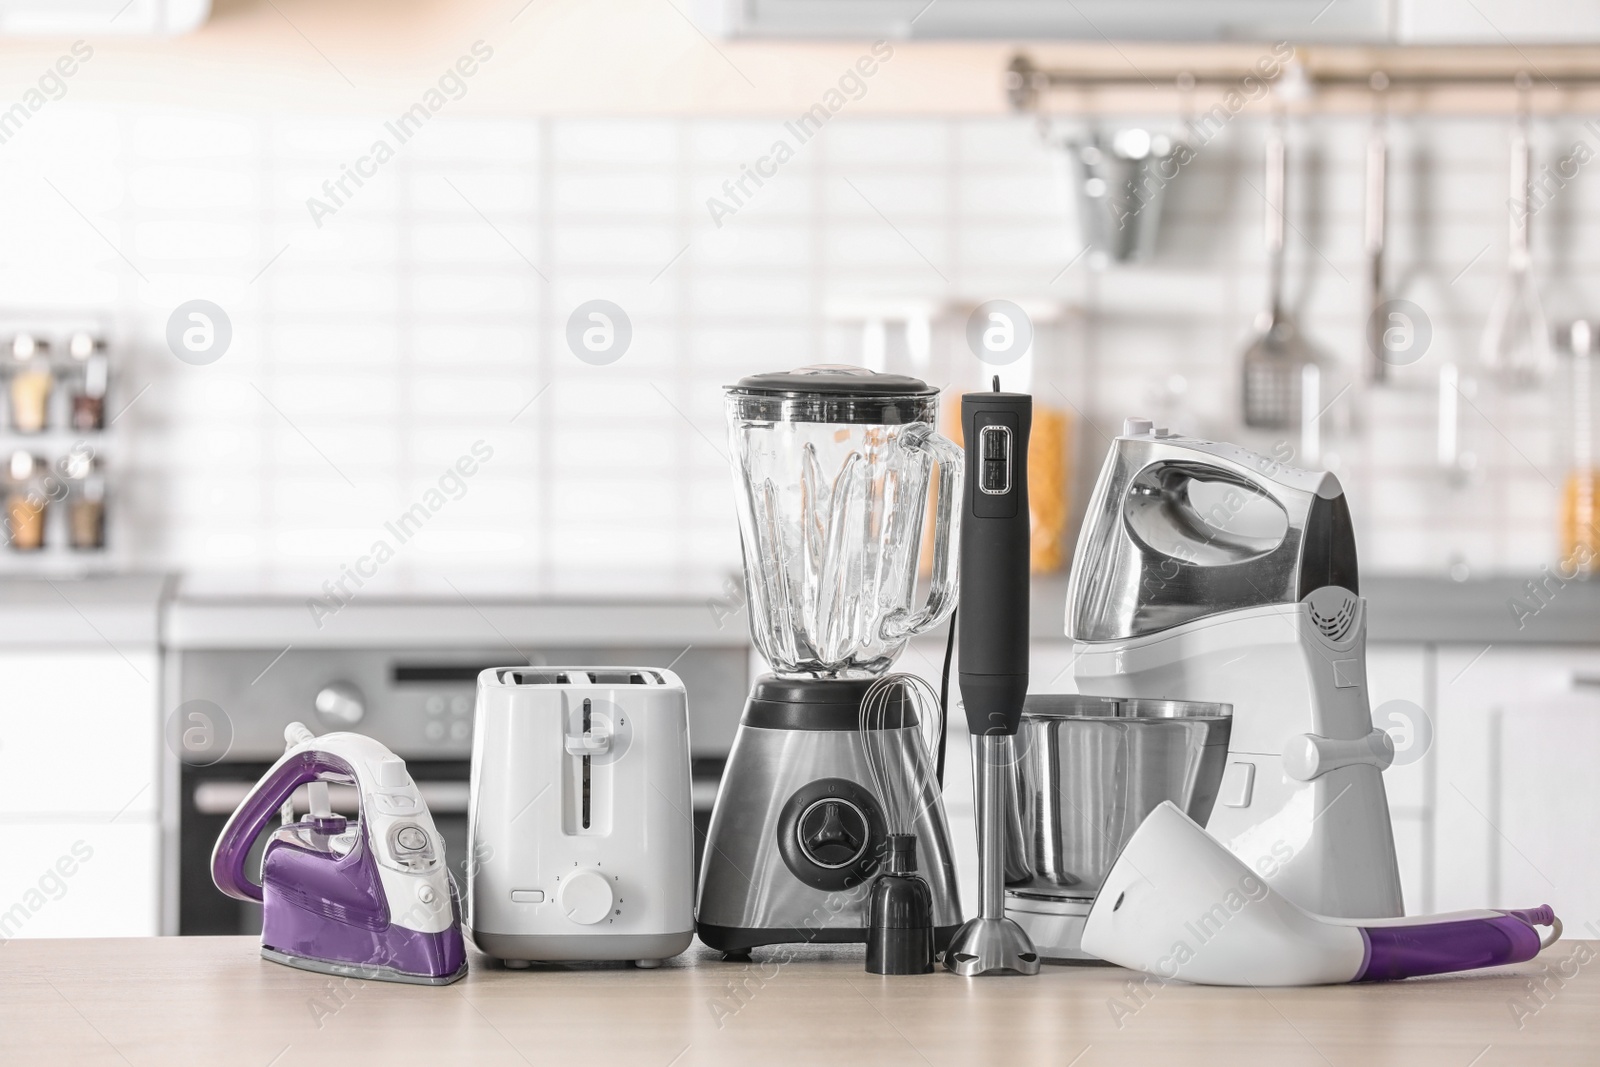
(832, 470)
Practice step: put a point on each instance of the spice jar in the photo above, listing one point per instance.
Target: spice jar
(86, 504)
(89, 399)
(31, 380)
(25, 502)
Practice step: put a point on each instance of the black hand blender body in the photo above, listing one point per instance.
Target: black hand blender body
(994, 656)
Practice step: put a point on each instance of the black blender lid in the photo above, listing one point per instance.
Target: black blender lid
(833, 393)
(831, 380)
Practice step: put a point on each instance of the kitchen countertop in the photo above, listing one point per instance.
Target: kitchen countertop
(120, 611)
(616, 608)
(177, 1001)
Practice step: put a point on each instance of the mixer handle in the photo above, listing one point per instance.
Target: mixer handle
(1163, 517)
(263, 802)
(1311, 503)
(1273, 475)
(946, 534)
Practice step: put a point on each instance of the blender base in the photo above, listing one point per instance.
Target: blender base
(795, 776)
(739, 941)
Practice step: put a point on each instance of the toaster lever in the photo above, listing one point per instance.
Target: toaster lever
(592, 743)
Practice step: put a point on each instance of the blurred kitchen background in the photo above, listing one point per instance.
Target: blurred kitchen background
(373, 346)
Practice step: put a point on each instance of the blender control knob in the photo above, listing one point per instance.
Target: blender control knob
(834, 833)
(341, 704)
(585, 897)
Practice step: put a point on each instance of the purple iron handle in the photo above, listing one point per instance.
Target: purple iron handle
(264, 801)
(1409, 950)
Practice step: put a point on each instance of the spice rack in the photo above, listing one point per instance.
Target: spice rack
(56, 375)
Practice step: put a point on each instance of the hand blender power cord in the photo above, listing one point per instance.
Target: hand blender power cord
(944, 697)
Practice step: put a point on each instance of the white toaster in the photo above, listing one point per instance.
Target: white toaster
(582, 836)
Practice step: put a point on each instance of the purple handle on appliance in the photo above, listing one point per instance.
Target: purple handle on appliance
(1410, 950)
(227, 859)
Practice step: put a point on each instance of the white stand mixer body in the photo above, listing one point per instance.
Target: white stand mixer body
(1302, 801)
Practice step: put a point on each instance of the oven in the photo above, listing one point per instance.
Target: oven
(416, 702)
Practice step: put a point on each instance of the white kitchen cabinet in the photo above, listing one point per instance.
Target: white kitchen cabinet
(1546, 803)
(79, 879)
(80, 742)
(1518, 793)
(1397, 688)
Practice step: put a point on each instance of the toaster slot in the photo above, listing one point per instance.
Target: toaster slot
(521, 676)
(588, 766)
(604, 677)
(590, 727)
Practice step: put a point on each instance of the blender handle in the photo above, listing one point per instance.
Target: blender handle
(946, 535)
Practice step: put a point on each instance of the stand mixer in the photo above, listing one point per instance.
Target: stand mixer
(1206, 572)
(832, 467)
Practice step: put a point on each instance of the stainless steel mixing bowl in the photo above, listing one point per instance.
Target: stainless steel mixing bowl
(1088, 769)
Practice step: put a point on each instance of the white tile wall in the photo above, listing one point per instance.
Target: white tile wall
(428, 313)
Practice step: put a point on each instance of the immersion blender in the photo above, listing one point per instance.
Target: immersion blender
(994, 656)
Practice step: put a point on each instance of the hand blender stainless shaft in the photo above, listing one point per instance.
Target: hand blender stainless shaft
(994, 656)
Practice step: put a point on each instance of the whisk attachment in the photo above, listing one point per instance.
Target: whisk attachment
(900, 938)
(900, 775)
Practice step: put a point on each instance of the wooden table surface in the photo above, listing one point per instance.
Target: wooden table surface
(178, 1001)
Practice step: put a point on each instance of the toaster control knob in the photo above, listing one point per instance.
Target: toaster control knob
(585, 897)
(341, 704)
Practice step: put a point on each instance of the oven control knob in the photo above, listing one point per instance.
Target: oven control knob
(585, 897)
(341, 704)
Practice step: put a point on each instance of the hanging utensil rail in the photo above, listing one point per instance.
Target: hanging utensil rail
(1027, 84)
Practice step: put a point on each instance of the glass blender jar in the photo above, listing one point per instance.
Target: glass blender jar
(831, 468)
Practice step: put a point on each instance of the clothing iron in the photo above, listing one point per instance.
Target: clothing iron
(1209, 573)
(369, 898)
(1179, 905)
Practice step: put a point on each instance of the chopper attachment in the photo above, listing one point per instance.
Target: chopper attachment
(369, 898)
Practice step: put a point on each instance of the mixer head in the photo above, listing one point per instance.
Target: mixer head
(1180, 528)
